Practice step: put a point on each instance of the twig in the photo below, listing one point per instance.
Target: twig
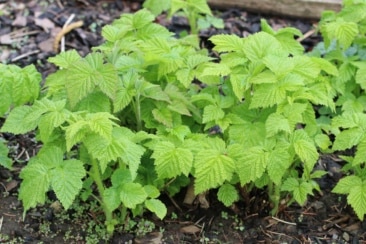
(1, 222)
(307, 34)
(337, 221)
(283, 221)
(24, 55)
(66, 29)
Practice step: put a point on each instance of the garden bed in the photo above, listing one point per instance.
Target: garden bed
(324, 218)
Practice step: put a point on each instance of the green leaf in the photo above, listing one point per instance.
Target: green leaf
(66, 180)
(163, 116)
(212, 113)
(227, 194)
(346, 184)
(15, 122)
(276, 123)
(171, 161)
(360, 155)
(305, 149)
(355, 187)
(268, 95)
(132, 194)
(94, 103)
(142, 18)
(5, 161)
(157, 207)
(152, 191)
(65, 59)
(200, 6)
(227, 43)
(36, 182)
(348, 138)
(89, 73)
(157, 6)
(279, 161)
(111, 198)
(300, 189)
(261, 44)
(212, 169)
(343, 31)
(251, 162)
(120, 146)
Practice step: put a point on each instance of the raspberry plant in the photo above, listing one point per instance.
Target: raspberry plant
(134, 117)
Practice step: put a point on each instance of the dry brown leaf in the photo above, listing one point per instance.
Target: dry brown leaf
(6, 39)
(46, 45)
(11, 185)
(151, 238)
(20, 20)
(44, 23)
(190, 229)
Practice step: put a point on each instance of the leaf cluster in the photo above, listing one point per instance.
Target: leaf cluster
(147, 113)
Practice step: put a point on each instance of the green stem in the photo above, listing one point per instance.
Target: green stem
(137, 105)
(274, 196)
(193, 22)
(97, 177)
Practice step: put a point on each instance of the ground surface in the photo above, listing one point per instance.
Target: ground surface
(27, 31)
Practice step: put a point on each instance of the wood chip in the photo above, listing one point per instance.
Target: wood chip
(190, 229)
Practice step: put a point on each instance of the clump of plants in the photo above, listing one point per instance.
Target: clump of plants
(134, 117)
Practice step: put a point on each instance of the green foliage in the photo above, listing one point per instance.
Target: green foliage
(197, 12)
(128, 118)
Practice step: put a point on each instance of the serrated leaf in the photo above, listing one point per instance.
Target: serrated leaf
(5, 161)
(132, 194)
(347, 183)
(118, 147)
(261, 44)
(278, 163)
(212, 113)
(88, 73)
(227, 194)
(348, 138)
(36, 182)
(101, 123)
(157, 6)
(142, 18)
(276, 123)
(152, 191)
(343, 31)
(305, 149)
(357, 199)
(15, 122)
(157, 207)
(94, 103)
(227, 43)
(111, 198)
(360, 155)
(65, 59)
(300, 190)
(66, 180)
(200, 6)
(252, 162)
(75, 132)
(212, 169)
(171, 161)
(268, 95)
(163, 116)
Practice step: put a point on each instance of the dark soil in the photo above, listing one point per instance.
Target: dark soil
(27, 31)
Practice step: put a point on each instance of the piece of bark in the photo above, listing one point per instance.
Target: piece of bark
(309, 9)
